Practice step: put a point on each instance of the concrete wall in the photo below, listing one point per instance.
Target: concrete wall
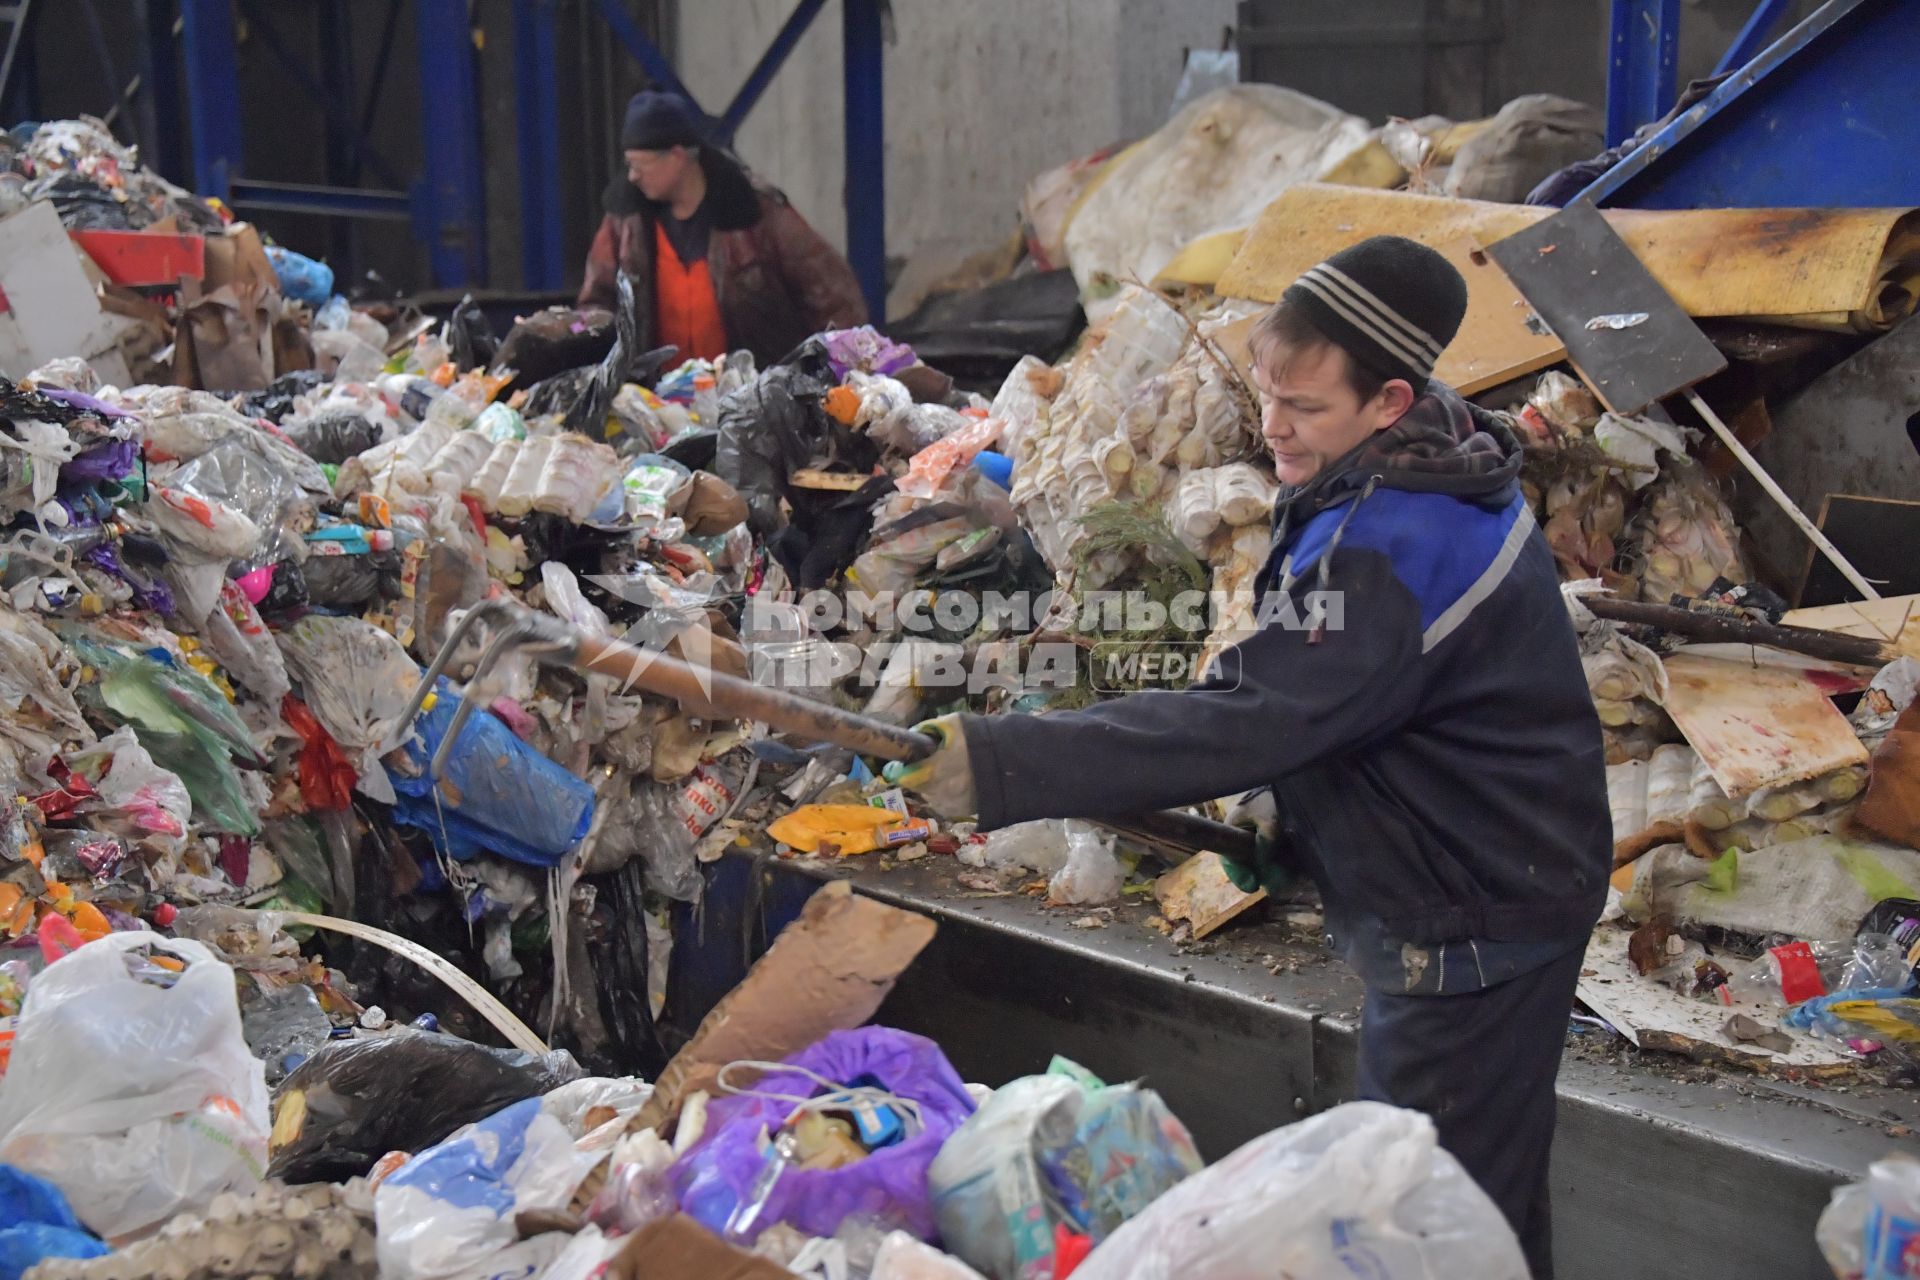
(981, 95)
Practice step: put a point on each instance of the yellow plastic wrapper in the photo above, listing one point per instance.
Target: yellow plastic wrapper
(848, 828)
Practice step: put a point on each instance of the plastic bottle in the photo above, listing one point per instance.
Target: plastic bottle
(1797, 971)
(706, 399)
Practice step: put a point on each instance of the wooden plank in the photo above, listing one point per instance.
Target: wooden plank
(1199, 892)
(1877, 534)
(1500, 338)
(1652, 1016)
(1758, 726)
(1820, 268)
(1895, 619)
(1624, 333)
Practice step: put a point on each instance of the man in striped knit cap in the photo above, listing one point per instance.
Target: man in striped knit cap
(1432, 759)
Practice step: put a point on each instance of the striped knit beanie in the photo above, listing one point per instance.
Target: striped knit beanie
(1389, 302)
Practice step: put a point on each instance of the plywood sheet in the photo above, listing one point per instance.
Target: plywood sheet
(1758, 726)
(1824, 268)
(1895, 619)
(1199, 892)
(1655, 1017)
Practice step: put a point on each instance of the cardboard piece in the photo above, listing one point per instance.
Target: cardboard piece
(1500, 337)
(678, 1248)
(1891, 808)
(224, 342)
(1839, 269)
(240, 260)
(1199, 892)
(49, 307)
(827, 971)
(1652, 1016)
(1758, 726)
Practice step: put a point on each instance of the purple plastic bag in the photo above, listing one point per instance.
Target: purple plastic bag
(867, 350)
(888, 1188)
(108, 461)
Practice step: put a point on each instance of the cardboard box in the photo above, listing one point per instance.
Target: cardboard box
(51, 308)
(678, 1248)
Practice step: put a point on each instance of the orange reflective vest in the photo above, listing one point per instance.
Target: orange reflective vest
(686, 309)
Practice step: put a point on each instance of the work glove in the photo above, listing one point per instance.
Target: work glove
(945, 778)
(1271, 867)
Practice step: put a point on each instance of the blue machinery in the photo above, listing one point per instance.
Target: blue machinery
(447, 204)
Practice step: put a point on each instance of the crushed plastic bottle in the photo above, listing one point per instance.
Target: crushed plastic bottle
(1797, 971)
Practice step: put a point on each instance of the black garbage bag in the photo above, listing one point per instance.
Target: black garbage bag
(470, 336)
(775, 426)
(335, 436)
(619, 949)
(346, 582)
(552, 342)
(83, 205)
(355, 1100)
(288, 592)
(623, 363)
(978, 335)
(275, 401)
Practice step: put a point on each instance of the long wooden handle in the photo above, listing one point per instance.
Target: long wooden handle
(1779, 495)
(719, 696)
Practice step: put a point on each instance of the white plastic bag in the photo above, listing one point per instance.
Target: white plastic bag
(139, 1101)
(357, 680)
(450, 1210)
(1035, 846)
(1092, 874)
(1363, 1189)
(902, 1257)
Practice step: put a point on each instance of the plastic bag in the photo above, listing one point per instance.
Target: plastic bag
(499, 794)
(1091, 874)
(932, 465)
(769, 429)
(301, 278)
(356, 680)
(336, 436)
(238, 639)
(137, 1100)
(355, 1100)
(1060, 1150)
(1041, 846)
(146, 802)
(36, 1223)
(901, 1257)
(1869, 1229)
(451, 1208)
(1362, 1188)
(574, 477)
(722, 1175)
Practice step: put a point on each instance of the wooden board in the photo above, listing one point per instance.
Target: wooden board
(1895, 619)
(1199, 892)
(1877, 534)
(1652, 1016)
(1819, 268)
(832, 481)
(1624, 334)
(1500, 338)
(1758, 726)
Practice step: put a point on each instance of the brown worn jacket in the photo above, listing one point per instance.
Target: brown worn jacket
(777, 280)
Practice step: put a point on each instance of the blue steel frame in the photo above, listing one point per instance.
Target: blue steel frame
(1823, 118)
(447, 205)
(1641, 65)
(863, 34)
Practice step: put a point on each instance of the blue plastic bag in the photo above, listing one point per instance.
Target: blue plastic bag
(499, 795)
(887, 1189)
(37, 1223)
(301, 278)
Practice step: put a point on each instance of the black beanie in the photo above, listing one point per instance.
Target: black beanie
(1390, 303)
(656, 121)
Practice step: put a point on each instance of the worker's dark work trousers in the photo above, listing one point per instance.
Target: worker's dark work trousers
(1482, 1065)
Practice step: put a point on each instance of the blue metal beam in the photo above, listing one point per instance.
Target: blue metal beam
(536, 102)
(160, 84)
(213, 108)
(644, 51)
(454, 195)
(769, 65)
(1641, 68)
(1753, 37)
(866, 190)
(298, 197)
(1822, 118)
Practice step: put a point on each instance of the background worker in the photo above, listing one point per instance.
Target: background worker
(719, 260)
(1435, 762)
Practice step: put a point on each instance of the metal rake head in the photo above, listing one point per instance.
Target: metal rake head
(511, 626)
